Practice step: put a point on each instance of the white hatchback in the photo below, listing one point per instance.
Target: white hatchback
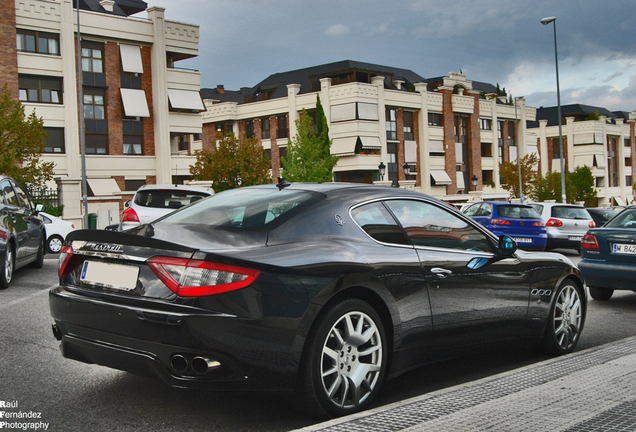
(153, 201)
(56, 231)
(566, 224)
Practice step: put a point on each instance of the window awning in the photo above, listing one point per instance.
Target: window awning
(343, 112)
(440, 178)
(512, 153)
(367, 111)
(619, 200)
(134, 102)
(344, 146)
(459, 154)
(371, 143)
(131, 58)
(185, 99)
(410, 151)
(600, 161)
(105, 186)
(460, 181)
(584, 160)
(534, 149)
(436, 147)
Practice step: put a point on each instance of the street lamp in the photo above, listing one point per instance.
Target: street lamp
(546, 21)
(474, 181)
(382, 169)
(407, 171)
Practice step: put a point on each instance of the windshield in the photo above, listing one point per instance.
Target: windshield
(570, 213)
(625, 219)
(517, 212)
(167, 199)
(247, 208)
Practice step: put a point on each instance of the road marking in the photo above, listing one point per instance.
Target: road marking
(20, 300)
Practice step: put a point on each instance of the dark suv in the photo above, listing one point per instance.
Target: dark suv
(21, 231)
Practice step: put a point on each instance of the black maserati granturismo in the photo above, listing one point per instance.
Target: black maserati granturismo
(326, 290)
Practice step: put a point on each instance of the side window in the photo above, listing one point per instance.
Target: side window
(378, 223)
(472, 210)
(485, 210)
(23, 198)
(429, 225)
(9, 194)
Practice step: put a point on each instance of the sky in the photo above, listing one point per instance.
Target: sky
(242, 42)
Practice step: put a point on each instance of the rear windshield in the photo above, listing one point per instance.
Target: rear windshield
(249, 209)
(167, 199)
(563, 212)
(626, 219)
(517, 212)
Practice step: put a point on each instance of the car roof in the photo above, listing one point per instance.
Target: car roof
(176, 187)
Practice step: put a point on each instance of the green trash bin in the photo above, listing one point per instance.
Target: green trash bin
(92, 221)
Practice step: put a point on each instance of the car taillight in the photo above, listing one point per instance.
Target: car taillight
(589, 241)
(68, 261)
(499, 222)
(540, 223)
(592, 224)
(195, 278)
(554, 223)
(129, 215)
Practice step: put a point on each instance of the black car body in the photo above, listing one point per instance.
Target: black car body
(601, 215)
(22, 232)
(312, 288)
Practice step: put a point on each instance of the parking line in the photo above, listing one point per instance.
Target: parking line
(20, 300)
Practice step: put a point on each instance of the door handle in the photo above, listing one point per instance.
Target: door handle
(440, 272)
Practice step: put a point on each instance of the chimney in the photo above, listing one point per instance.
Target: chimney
(220, 89)
(107, 5)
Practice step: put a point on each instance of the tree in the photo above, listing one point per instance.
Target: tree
(308, 156)
(21, 143)
(549, 188)
(583, 182)
(509, 173)
(234, 164)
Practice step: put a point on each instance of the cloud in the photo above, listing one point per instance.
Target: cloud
(337, 30)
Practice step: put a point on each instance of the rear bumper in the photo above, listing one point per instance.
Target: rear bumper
(251, 354)
(601, 274)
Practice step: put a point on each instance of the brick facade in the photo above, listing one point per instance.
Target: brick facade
(416, 134)
(8, 52)
(275, 150)
(474, 146)
(114, 107)
(448, 122)
(146, 85)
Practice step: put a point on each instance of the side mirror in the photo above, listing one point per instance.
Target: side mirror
(127, 204)
(507, 246)
(40, 208)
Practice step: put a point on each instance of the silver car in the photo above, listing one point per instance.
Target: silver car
(153, 201)
(566, 224)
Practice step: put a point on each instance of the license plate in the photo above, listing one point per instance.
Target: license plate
(117, 276)
(523, 240)
(620, 248)
(575, 238)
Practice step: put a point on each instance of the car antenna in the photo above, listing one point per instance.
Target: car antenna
(282, 184)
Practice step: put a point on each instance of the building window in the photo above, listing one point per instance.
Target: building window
(391, 124)
(197, 137)
(461, 129)
(500, 133)
(408, 125)
(485, 124)
(40, 89)
(512, 136)
(435, 119)
(612, 160)
(225, 128)
(249, 129)
(133, 136)
(392, 165)
(96, 126)
(282, 127)
(487, 178)
(133, 185)
(54, 142)
(486, 150)
(183, 142)
(38, 42)
(93, 64)
(130, 80)
(626, 142)
(265, 131)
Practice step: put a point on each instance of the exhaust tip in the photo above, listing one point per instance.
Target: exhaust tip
(56, 332)
(203, 365)
(179, 363)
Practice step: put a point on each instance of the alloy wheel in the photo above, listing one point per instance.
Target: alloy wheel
(568, 317)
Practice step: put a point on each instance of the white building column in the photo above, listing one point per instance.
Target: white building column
(292, 91)
(543, 146)
(425, 167)
(378, 81)
(70, 197)
(160, 107)
(325, 98)
(68, 37)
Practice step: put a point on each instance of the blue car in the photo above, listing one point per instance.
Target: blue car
(608, 256)
(519, 221)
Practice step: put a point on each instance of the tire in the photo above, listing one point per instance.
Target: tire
(54, 244)
(601, 294)
(6, 267)
(565, 321)
(39, 260)
(344, 362)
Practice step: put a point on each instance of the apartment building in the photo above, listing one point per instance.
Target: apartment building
(593, 137)
(141, 113)
(444, 136)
